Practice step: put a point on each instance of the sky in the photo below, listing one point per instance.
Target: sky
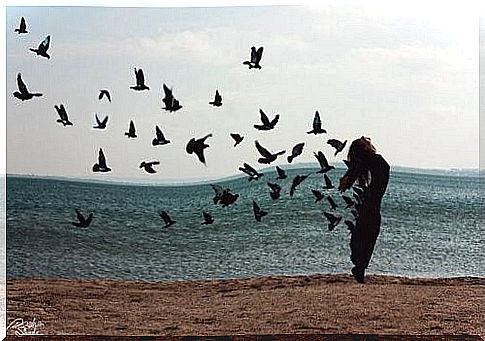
(407, 79)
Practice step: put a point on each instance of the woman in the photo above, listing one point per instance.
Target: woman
(372, 173)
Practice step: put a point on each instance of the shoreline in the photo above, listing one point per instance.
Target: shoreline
(322, 304)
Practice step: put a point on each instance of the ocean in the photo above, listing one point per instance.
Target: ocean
(432, 226)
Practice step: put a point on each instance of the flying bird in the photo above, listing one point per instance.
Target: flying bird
(348, 201)
(23, 93)
(219, 191)
(159, 138)
(217, 100)
(253, 173)
(101, 165)
(82, 221)
(317, 125)
(297, 180)
(318, 195)
(228, 198)
(43, 47)
(166, 218)
(333, 220)
(171, 104)
(140, 81)
(332, 203)
(131, 133)
(22, 27)
(267, 156)
(267, 124)
(255, 58)
(296, 151)
(281, 174)
(237, 138)
(275, 190)
(104, 93)
(197, 147)
(322, 160)
(258, 212)
(338, 145)
(101, 124)
(350, 225)
(207, 218)
(148, 166)
(328, 183)
(61, 111)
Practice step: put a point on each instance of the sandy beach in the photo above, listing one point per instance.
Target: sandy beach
(266, 305)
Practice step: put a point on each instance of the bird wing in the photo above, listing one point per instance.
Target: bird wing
(263, 151)
(140, 77)
(108, 95)
(101, 93)
(264, 118)
(297, 149)
(132, 130)
(259, 54)
(167, 91)
(101, 159)
(207, 216)
(280, 171)
(249, 168)
(331, 218)
(80, 217)
(97, 120)
(254, 58)
(217, 189)
(159, 133)
(274, 187)
(21, 85)
(236, 137)
(200, 155)
(218, 97)
(316, 193)
(275, 120)
(152, 163)
(256, 208)
(317, 122)
(45, 44)
(23, 26)
(328, 182)
(105, 120)
(166, 218)
(322, 160)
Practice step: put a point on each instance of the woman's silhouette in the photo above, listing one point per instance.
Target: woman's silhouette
(371, 172)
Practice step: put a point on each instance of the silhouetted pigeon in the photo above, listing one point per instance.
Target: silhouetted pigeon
(207, 218)
(197, 147)
(159, 138)
(217, 100)
(171, 104)
(43, 47)
(318, 195)
(166, 218)
(23, 92)
(101, 124)
(275, 190)
(281, 173)
(22, 27)
(338, 145)
(267, 124)
(82, 221)
(237, 138)
(140, 81)
(297, 180)
(103, 93)
(258, 212)
(148, 166)
(101, 165)
(253, 173)
(317, 125)
(322, 160)
(267, 157)
(255, 58)
(61, 111)
(333, 220)
(296, 151)
(131, 131)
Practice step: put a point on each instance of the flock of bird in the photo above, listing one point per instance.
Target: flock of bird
(223, 196)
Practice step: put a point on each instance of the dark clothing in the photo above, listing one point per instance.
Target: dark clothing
(368, 223)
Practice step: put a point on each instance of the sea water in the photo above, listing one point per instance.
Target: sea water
(432, 226)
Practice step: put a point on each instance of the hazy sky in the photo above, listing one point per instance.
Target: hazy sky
(410, 82)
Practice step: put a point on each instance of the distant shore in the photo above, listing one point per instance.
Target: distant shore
(264, 305)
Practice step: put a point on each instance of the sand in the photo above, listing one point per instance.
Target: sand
(265, 305)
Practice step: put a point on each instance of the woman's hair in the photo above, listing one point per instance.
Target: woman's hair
(360, 149)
